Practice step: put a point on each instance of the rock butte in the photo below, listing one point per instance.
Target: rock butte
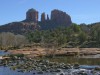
(58, 18)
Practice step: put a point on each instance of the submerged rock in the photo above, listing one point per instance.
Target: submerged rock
(76, 66)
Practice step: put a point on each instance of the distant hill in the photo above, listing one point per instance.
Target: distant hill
(89, 27)
(19, 27)
(58, 18)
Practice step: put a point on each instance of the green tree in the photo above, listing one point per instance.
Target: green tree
(82, 37)
(98, 36)
(34, 36)
(75, 27)
(30, 36)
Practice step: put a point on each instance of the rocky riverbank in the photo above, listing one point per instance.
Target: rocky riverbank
(22, 64)
(45, 67)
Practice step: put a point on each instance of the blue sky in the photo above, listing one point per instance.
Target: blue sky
(81, 11)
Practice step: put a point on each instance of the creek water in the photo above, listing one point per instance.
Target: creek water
(2, 52)
(7, 71)
(91, 56)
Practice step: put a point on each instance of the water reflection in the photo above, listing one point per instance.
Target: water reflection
(2, 52)
(91, 56)
(7, 71)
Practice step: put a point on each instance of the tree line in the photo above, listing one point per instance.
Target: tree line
(73, 36)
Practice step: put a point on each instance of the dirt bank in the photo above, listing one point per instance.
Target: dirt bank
(32, 52)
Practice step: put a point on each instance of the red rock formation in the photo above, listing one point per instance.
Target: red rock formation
(48, 17)
(19, 27)
(43, 17)
(32, 15)
(60, 17)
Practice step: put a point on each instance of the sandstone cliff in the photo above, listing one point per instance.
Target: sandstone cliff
(19, 27)
(32, 15)
(43, 19)
(58, 19)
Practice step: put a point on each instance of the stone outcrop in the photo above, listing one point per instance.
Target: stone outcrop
(32, 15)
(19, 27)
(57, 17)
(43, 19)
(60, 17)
(48, 17)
